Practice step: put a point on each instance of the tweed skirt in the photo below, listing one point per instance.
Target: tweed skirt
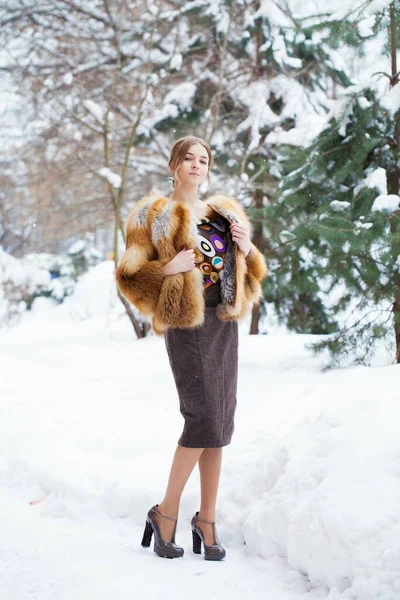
(204, 363)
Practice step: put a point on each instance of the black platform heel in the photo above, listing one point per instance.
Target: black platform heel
(162, 548)
(196, 542)
(147, 535)
(213, 552)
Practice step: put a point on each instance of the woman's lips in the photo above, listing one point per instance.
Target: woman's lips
(197, 175)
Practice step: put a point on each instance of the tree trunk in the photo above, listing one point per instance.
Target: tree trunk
(141, 328)
(394, 176)
(255, 319)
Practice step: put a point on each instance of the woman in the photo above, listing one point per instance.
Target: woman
(192, 267)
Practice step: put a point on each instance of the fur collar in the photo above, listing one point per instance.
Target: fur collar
(227, 206)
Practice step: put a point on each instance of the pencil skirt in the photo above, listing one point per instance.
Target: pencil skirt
(204, 363)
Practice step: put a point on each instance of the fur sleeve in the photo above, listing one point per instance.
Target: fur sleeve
(138, 274)
(256, 271)
(256, 264)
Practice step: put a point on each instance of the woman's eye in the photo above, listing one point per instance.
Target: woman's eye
(203, 162)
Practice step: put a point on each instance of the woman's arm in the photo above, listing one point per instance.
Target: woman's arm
(256, 263)
(139, 275)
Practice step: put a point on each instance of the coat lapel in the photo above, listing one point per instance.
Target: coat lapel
(229, 208)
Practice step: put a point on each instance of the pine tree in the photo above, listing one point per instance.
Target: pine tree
(336, 244)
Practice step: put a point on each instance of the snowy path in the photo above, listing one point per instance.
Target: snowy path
(89, 422)
(74, 432)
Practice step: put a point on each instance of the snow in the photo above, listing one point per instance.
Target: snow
(113, 178)
(255, 97)
(297, 106)
(341, 9)
(176, 61)
(309, 500)
(377, 179)
(68, 78)
(271, 11)
(79, 246)
(365, 27)
(21, 273)
(387, 203)
(94, 109)
(338, 205)
(217, 9)
(365, 225)
(364, 103)
(377, 6)
(291, 137)
(391, 100)
(182, 95)
(280, 53)
(342, 109)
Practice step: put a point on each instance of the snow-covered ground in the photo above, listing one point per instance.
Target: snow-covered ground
(309, 503)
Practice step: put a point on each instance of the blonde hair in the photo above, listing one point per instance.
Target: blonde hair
(179, 151)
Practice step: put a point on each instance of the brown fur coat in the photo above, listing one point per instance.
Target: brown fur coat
(157, 229)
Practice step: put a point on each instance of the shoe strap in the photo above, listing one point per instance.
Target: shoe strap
(205, 521)
(165, 516)
(210, 523)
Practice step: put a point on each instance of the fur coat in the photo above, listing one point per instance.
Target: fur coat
(157, 229)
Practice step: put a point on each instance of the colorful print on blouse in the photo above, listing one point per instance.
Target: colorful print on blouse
(210, 251)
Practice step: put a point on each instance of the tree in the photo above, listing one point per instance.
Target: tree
(89, 72)
(338, 244)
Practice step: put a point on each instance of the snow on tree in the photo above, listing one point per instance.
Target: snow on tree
(338, 271)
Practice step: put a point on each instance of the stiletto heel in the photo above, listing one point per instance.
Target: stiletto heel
(196, 542)
(213, 552)
(162, 548)
(147, 535)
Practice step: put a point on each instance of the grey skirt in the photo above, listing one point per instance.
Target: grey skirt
(204, 363)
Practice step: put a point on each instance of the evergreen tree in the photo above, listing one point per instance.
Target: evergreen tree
(336, 231)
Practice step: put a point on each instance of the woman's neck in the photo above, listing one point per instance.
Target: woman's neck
(188, 196)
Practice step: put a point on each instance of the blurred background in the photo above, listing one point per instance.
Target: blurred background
(299, 102)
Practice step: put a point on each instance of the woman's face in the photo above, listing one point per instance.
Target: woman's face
(194, 169)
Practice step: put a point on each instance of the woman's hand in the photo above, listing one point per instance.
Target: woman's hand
(182, 262)
(241, 236)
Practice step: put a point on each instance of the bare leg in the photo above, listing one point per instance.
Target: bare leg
(183, 464)
(210, 469)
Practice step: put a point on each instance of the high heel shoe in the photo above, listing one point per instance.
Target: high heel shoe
(162, 548)
(213, 552)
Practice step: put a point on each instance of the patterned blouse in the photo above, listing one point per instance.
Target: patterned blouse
(210, 252)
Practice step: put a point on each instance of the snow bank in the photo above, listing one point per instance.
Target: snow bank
(94, 298)
(331, 503)
(310, 490)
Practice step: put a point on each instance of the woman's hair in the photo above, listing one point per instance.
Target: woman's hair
(179, 150)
